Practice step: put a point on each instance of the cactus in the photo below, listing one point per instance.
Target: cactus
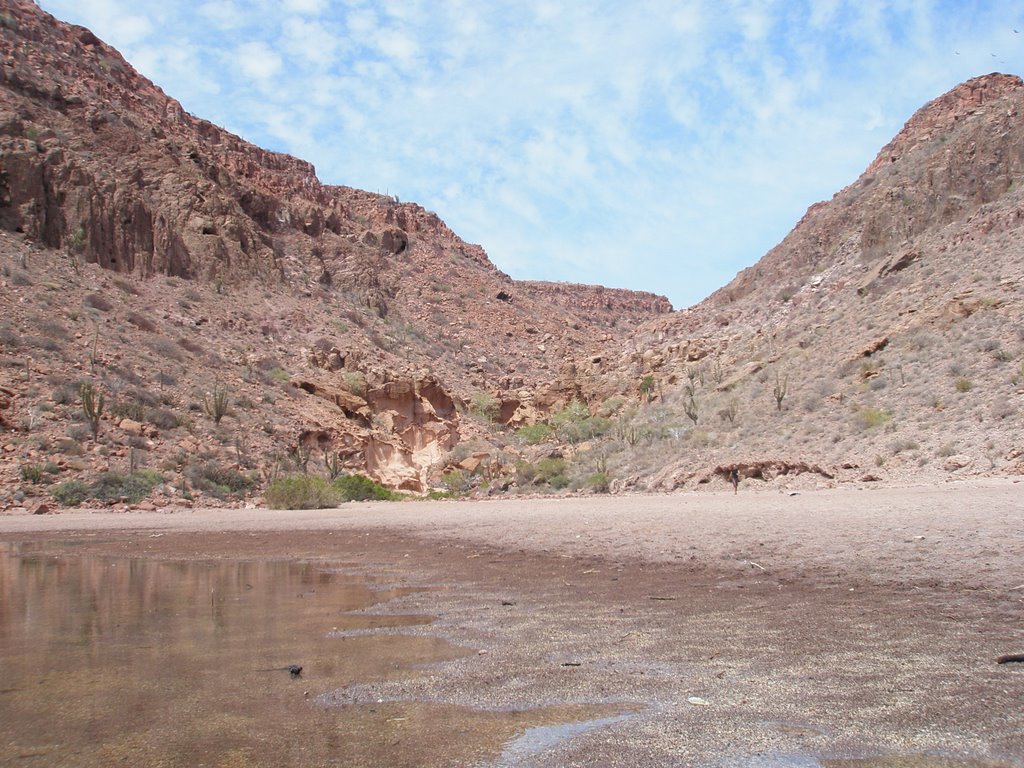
(92, 406)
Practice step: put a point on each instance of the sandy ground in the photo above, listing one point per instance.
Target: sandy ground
(758, 629)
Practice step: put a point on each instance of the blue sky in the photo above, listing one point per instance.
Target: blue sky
(658, 145)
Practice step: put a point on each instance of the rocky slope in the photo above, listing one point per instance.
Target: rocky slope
(176, 233)
(881, 339)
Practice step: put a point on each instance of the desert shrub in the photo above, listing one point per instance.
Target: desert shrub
(77, 432)
(1002, 409)
(9, 338)
(51, 329)
(19, 277)
(164, 418)
(164, 348)
(551, 472)
(98, 301)
(456, 481)
(869, 418)
(568, 422)
(963, 384)
(354, 382)
(279, 374)
(191, 346)
(599, 482)
(67, 447)
(216, 403)
(217, 480)
(114, 486)
(361, 488)
(141, 322)
(573, 424)
(301, 492)
(126, 374)
(129, 409)
(70, 493)
(39, 474)
(128, 288)
(41, 342)
(64, 394)
(532, 434)
(485, 406)
(906, 444)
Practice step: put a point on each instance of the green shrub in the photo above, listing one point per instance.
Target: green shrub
(114, 486)
(574, 424)
(869, 418)
(558, 482)
(550, 472)
(533, 434)
(599, 482)
(963, 384)
(360, 488)
(456, 482)
(301, 492)
(217, 480)
(70, 493)
(485, 406)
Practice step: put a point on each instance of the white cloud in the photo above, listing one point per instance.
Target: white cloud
(304, 6)
(257, 60)
(310, 40)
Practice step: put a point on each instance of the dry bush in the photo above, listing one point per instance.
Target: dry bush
(98, 301)
(142, 322)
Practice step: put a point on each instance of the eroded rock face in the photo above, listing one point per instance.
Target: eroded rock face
(394, 435)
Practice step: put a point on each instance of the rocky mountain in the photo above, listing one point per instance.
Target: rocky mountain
(880, 340)
(187, 312)
(110, 190)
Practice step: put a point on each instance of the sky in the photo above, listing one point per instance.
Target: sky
(658, 145)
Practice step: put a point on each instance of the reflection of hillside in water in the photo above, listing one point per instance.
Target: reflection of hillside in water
(110, 659)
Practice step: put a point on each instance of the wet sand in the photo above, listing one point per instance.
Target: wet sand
(758, 629)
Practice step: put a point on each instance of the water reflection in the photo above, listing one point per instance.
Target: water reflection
(135, 661)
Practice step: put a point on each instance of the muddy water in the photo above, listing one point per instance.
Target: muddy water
(107, 661)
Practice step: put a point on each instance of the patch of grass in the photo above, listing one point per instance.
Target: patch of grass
(869, 418)
(963, 384)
